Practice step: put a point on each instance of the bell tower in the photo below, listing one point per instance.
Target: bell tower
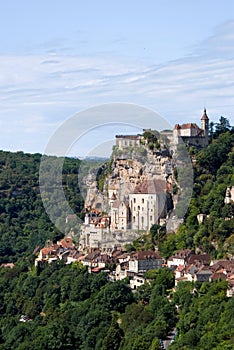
(205, 124)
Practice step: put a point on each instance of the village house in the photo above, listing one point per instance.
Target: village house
(137, 281)
(121, 271)
(203, 274)
(199, 259)
(189, 266)
(224, 269)
(198, 267)
(58, 251)
(91, 259)
(180, 258)
(136, 263)
(143, 261)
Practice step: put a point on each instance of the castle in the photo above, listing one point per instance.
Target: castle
(191, 134)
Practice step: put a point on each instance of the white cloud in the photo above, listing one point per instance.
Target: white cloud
(38, 92)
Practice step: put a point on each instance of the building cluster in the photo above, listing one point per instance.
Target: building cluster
(192, 267)
(145, 205)
(137, 210)
(138, 196)
(187, 265)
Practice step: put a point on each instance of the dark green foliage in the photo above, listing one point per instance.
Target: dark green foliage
(68, 307)
(116, 296)
(152, 137)
(114, 336)
(149, 320)
(205, 317)
(24, 224)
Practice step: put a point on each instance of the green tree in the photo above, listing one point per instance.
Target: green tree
(114, 336)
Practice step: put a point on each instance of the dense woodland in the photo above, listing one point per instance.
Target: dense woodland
(24, 224)
(68, 308)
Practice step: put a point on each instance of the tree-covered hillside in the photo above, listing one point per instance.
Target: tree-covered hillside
(64, 307)
(213, 173)
(24, 224)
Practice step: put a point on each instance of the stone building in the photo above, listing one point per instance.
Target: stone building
(125, 141)
(191, 134)
(147, 204)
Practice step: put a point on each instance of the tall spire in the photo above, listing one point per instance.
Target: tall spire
(204, 116)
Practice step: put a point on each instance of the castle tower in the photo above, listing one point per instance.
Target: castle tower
(205, 126)
(205, 123)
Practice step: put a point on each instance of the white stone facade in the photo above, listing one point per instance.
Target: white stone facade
(125, 141)
(143, 209)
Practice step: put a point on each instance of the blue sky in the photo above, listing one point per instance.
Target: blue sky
(58, 58)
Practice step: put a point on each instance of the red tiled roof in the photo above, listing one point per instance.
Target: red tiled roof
(66, 243)
(48, 250)
(180, 268)
(186, 126)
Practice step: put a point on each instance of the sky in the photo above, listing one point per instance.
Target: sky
(60, 59)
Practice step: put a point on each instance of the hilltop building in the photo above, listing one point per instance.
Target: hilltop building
(125, 141)
(191, 134)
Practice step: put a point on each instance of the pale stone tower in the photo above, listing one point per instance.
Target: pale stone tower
(205, 123)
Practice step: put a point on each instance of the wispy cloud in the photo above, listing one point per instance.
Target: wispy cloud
(37, 91)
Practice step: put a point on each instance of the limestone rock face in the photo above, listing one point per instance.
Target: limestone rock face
(127, 172)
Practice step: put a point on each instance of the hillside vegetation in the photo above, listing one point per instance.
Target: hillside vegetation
(213, 173)
(24, 224)
(65, 307)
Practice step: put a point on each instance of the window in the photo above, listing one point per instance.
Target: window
(134, 200)
(138, 207)
(151, 218)
(142, 208)
(142, 201)
(134, 218)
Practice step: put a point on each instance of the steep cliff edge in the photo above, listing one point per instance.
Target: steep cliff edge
(127, 169)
